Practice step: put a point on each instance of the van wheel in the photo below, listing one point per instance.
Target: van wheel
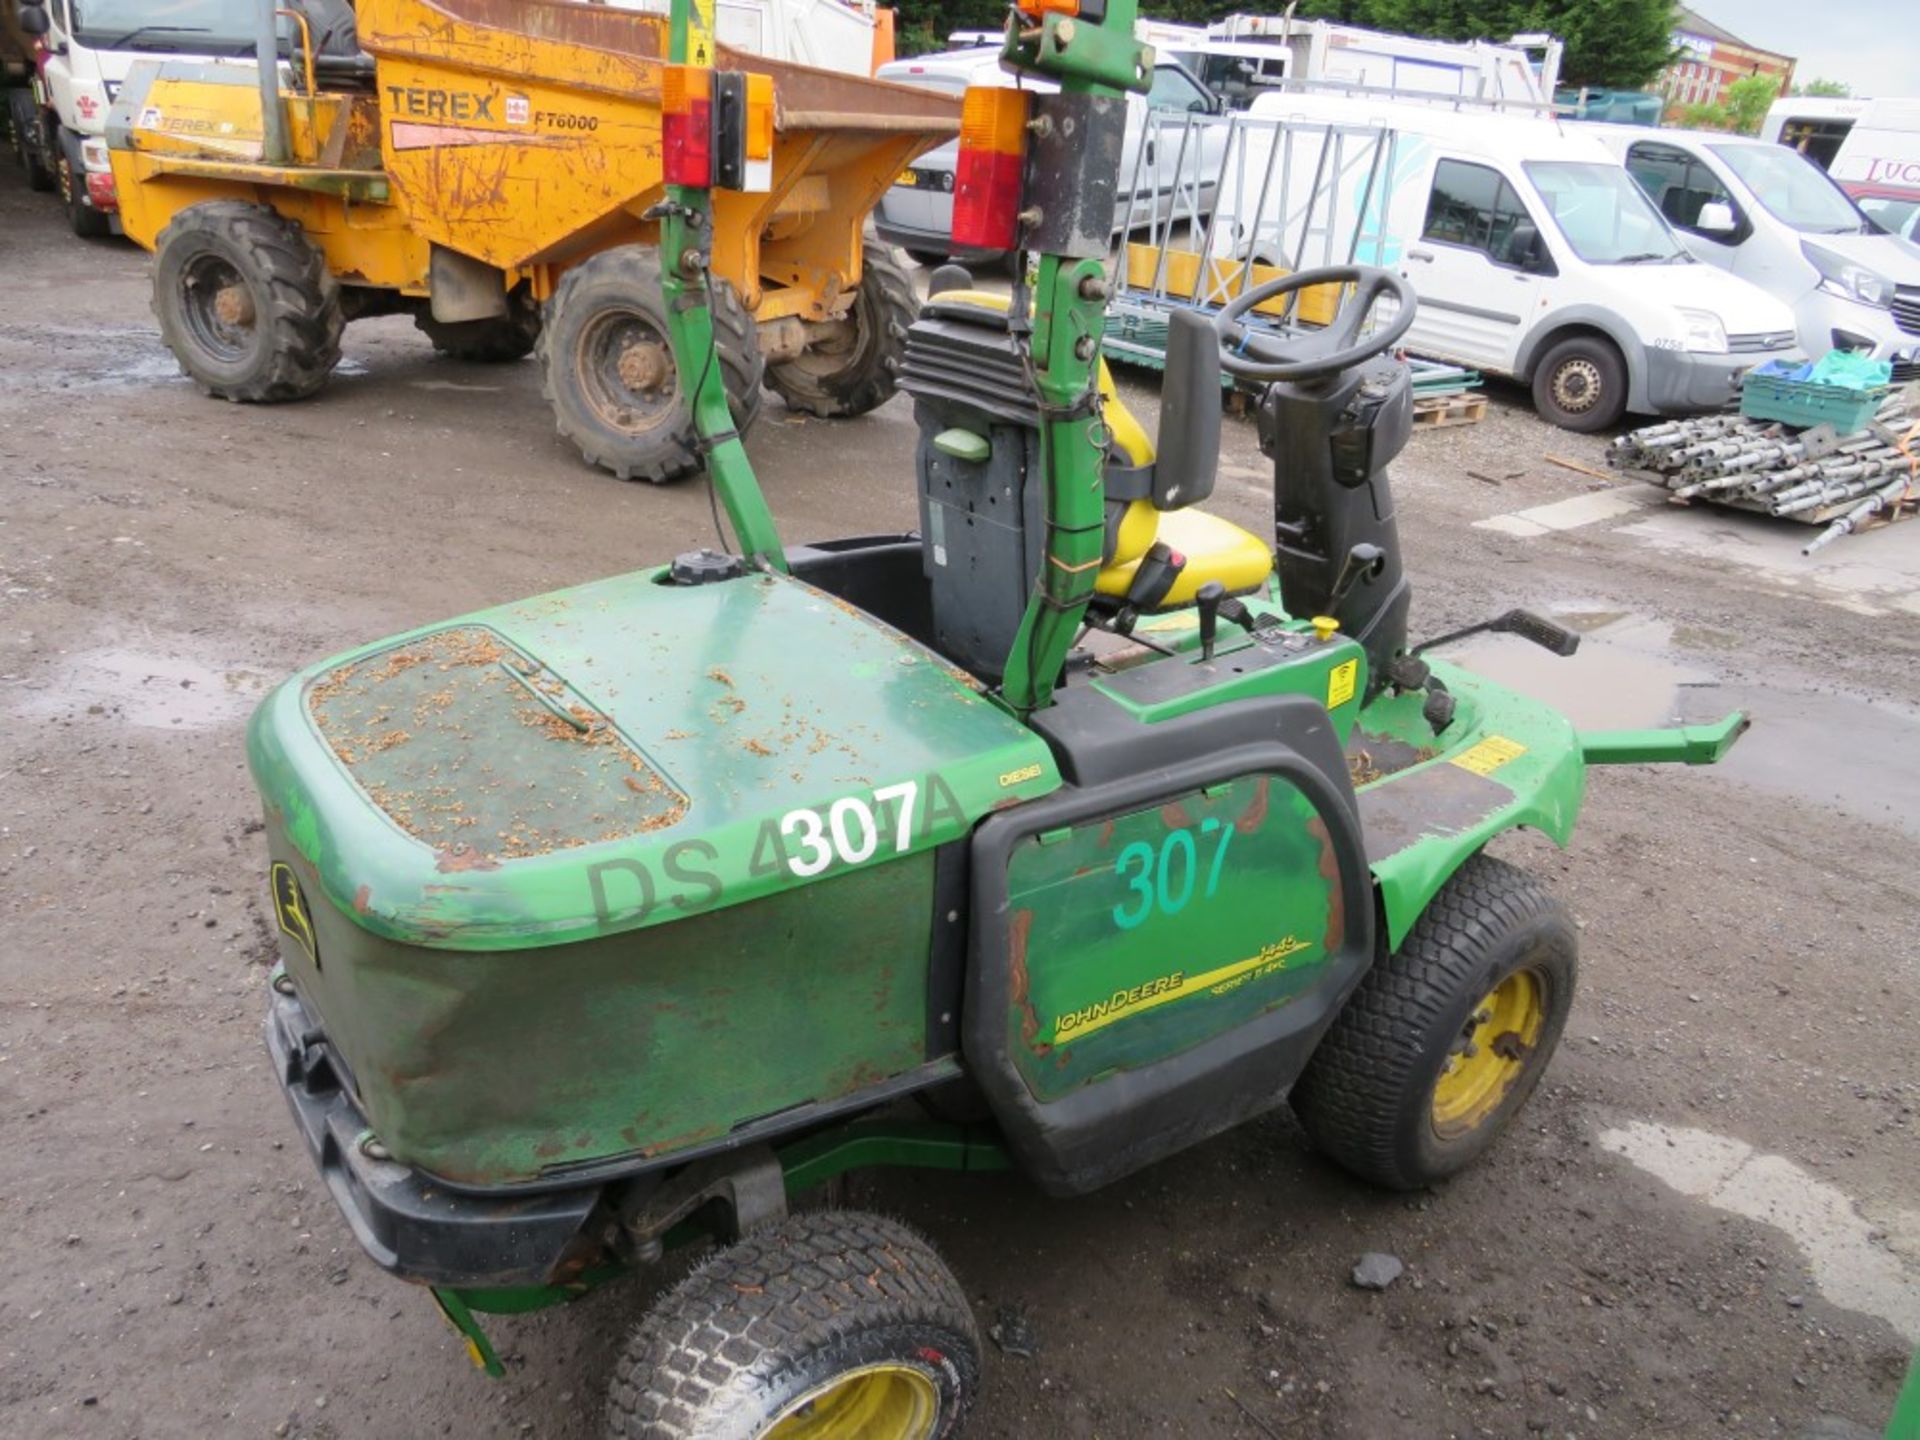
(1581, 384)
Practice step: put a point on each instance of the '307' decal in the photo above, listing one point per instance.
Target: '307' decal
(1163, 877)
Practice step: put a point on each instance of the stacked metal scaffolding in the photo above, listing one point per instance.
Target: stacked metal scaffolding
(1814, 476)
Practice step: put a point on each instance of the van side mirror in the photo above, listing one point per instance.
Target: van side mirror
(33, 20)
(1715, 218)
(1524, 247)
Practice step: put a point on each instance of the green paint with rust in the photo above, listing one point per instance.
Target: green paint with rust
(711, 714)
(496, 1067)
(618, 956)
(1541, 787)
(1138, 937)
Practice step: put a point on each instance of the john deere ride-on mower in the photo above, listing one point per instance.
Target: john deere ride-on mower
(616, 918)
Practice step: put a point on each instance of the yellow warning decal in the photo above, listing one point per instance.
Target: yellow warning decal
(700, 34)
(1489, 755)
(290, 909)
(1177, 986)
(1341, 681)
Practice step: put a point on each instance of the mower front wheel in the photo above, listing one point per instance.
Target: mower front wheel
(830, 1323)
(609, 372)
(1446, 1038)
(246, 302)
(852, 371)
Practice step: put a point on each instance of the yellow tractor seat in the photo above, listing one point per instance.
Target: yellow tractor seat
(1215, 549)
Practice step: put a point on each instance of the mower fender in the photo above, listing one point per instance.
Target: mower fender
(1508, 763)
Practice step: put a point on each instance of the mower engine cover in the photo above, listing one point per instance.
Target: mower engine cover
(590, 880)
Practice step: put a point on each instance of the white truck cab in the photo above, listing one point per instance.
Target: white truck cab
(1767, 214)
(1534, 256)
(85, 51)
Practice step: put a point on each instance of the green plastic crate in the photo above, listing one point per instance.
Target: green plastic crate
(1808, 402)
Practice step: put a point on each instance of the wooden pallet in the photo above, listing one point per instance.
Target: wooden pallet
(1436, 412)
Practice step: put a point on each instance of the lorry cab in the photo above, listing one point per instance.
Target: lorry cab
(1769, 215)
(1535, 257)
(917, 212)
(88, 48)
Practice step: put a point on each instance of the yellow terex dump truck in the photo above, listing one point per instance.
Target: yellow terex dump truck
(490, 166)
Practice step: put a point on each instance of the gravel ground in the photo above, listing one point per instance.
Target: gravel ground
(174, 1267)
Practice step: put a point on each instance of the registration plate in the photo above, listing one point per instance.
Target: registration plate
(908, 177)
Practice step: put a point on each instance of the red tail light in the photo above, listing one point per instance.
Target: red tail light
(986, 191)
(686, 125)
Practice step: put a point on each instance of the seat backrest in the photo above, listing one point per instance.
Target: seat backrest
(1189, 449)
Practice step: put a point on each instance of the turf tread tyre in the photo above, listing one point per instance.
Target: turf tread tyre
(764, 1321)
(628, 276)
(1365, 1098)
(1605, 358)
(296, 301)
(885, 306)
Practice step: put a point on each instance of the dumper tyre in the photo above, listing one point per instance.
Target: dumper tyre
(1580, 384)
(495, 341)
(1445, 1038)
(829, 1323)
(23, 120)
(854, 371)
(70, 176)
(608, 370)
(246, 303)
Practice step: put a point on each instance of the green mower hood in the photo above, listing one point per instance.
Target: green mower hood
(621, 754)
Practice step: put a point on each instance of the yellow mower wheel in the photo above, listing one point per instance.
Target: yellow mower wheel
(1444, 1039)
(830, 1323)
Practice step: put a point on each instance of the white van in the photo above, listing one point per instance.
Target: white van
(1770, 215)
(916, 213)
(1534, 256)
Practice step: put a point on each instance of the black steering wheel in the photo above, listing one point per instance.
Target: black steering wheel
(1258, 354)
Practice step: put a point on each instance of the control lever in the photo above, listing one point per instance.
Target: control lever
(1208, 600)
(1524, 623)
(1363, 562)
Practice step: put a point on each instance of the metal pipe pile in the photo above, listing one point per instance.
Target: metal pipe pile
(1798, 474)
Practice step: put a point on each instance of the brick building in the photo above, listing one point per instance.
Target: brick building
(1711, 58)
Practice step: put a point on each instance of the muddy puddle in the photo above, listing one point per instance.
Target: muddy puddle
(1809, 741)
(150, 691)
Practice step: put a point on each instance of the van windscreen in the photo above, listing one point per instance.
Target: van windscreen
(1794, 191)
(1603, 215)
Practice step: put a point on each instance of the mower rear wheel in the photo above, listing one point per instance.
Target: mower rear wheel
(507, 337)
(1446, 1038)
(609, 371)
(246, 303)
(853, 372)
(831, 1323)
